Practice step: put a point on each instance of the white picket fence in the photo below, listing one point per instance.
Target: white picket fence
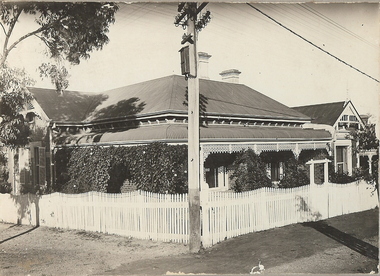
(165, 217)
(136, 214)
(226, 215)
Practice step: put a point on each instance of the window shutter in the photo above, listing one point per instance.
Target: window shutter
(22, 176)
(25, 176)
(41, 153)
(42, 174)
(41, 167)
(281, 170)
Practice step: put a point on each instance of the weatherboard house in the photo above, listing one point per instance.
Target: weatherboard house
(340, 118)
(234, 117)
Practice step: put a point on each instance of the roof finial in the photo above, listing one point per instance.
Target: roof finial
(347, 94)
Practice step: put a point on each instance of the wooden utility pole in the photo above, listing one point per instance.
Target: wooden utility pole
(193, 138)
(189, 62)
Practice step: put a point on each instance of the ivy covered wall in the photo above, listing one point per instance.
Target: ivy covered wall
(162, 168)
(156, 167)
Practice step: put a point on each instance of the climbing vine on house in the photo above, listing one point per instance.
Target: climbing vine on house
(156, 167)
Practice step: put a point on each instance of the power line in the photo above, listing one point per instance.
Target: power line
(335, 24)
(308, 41)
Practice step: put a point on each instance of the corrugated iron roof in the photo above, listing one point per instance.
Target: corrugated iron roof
(71, 106)
(327, 113)
(169, 93)
(178, 132)
(160, 95)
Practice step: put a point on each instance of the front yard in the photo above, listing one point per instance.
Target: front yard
(347, 247)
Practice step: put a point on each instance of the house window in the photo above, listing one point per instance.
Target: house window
(217, 177)
(39, 171)
(353, 118)
(341, 160)
(275, 171)
(344, 118)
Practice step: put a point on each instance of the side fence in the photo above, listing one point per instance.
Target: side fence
(164, 217)
(136, 214)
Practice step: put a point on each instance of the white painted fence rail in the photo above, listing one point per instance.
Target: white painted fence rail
(226, 215)
(164, 217)
(136, 214)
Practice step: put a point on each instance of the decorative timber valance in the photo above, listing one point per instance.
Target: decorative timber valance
(295, 147)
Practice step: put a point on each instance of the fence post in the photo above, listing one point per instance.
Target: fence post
(205, 221)
(312, 178)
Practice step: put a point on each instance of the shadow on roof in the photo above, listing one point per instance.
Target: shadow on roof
(124, 108)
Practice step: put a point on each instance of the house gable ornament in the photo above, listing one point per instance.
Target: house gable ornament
(349, 117)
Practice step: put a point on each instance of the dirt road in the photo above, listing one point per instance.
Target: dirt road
(346, 244)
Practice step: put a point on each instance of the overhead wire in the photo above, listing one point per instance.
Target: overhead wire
(335, 24)
(305, 18)
(311, 43)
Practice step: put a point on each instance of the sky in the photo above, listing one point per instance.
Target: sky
(144, 45)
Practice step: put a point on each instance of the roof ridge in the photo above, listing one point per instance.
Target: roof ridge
(64, 91)
(172, 92)
(342, 102)
(140, 83)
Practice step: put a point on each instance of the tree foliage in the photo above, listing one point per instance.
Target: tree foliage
(366, 138)
(14, 131)
(70, 31)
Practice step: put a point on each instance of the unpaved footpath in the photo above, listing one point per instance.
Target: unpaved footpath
(346, 244)
(25, 250)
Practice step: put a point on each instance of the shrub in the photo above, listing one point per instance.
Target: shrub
(341, 178)
(249, 172)
(5, 188)
(295, 174)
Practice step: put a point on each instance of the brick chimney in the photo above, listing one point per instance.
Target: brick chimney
(203, 65)
(231, 76)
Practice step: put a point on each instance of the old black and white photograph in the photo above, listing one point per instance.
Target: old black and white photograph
(174, 138)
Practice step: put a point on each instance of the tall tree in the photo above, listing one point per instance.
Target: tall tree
(70, 31)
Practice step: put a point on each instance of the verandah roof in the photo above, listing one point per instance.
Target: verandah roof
(214, 133)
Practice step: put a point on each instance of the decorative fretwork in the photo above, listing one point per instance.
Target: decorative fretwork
(267, 147)
(258, 148)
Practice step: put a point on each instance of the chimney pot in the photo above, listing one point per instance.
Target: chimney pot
(203, 65)
(231, 75)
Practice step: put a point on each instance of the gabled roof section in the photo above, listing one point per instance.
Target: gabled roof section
(327, 113)
(71, 106)
(168, 94)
